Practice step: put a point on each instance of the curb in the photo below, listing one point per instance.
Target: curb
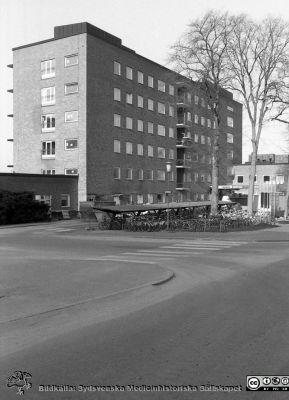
(165, 280)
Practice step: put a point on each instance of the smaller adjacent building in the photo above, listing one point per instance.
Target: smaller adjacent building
(60, 192)
(271, 183)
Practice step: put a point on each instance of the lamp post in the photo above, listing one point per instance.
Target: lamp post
(169, 169)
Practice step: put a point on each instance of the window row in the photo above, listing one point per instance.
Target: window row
(129, 74)
(140, 174)
(196, 177)
(48, 147)
(47, 198)
(278, 179)
(48, 121)
(48, 97)
(67, 171)
(150, 103)
(48, 66)
(119, 121)
(150, 152)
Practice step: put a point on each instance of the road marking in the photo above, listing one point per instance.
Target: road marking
(192, 247)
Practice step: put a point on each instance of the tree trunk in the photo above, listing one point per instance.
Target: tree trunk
(215, 172)
(252, 178)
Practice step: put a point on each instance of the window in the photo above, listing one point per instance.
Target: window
(48, 122)
(161, 130)
(48, 149)
(240, 179)
(150, 198)
(230, 170)
(265, 200)
(189, 116)
(196, 119)
(140, 125)
(65, 200)
(140, 149)
(139, 199)
(71, 88)
(140, 77)
(280, 179)
(209, 178)
(171, 111)
(129, 98)
(230, 122)
(202, 121)
(171, 90)
(128, 148)
(209, 140)
(161, 198)
(129, 73)
(71, 171)
(195, 156)
(161, 86)
(188, 177)
(171, 154)
(161, 175)
(196, 99)
(128, 174)
(161, 152)
(48, 96)
(48, 172)
(47, 69)
(230, 108)
(189, 97)
(44, 199)
(116, 120)
(150, 127)
(116, 68)
(150, 81)
(150, 105)
(203, 139)
(196, 138)
(71, 60)
(266, 178)
(230, 155)
(209, 123)
(171, 176)
(140, 101)
(116, 94)
(203, 158)
(150, 175)
(71, 116)
(203, 177)
(202, 102)
(116, 146)
(214, 125)
(70, 144)
(150, 151)
(116, 173)
(161, 108)
(230, 138)
(202, 196)
(171, 133)
(196, 176)
(140, 174)
(128, 123)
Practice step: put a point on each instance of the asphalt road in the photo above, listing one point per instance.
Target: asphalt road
(224, 315)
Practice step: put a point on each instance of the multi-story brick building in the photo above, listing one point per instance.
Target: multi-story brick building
(85, 104)
(271, 182)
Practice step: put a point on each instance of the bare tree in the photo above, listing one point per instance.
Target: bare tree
(201, 55)
(258, 55)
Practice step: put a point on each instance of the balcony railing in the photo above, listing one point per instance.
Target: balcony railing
(182, 121)
(182, 186)
(182, 163)
(184, 142)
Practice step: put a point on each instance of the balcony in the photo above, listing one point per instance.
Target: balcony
(182, 163)
(183, 122)
(182, 102)
(182, 186)
(184, 142)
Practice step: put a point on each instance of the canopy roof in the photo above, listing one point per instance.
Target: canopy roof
(163, 206)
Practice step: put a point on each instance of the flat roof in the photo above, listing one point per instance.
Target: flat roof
(45, 176)
(150, 207)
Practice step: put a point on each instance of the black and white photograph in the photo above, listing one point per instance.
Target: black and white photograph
(144, 197)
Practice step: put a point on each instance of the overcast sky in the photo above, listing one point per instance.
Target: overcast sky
(147, 26)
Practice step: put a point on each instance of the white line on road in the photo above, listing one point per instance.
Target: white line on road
(192, 247)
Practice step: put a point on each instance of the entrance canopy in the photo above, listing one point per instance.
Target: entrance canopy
(139, 208)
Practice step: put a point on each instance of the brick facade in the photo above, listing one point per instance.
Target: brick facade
(95, 159)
